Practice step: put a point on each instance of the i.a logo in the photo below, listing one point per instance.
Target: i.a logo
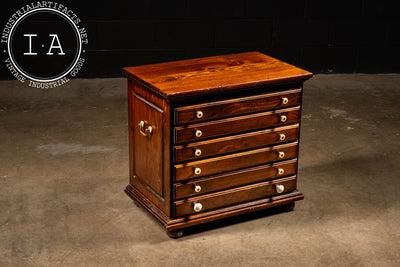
(55, 38)
(44, 43)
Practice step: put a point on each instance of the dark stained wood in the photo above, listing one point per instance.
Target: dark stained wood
(203, 217)
(233, 179)
(235, 143)
(149, 158)
(236, 125)
(200, 76)
(236, 106)
(148, 149)
(234, 196)
(241, 99)
(139, 196)
(131, 131)
(234, 210)
(234, 161)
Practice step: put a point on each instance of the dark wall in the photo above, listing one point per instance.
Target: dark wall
(341, 36)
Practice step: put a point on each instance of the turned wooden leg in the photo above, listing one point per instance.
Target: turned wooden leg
(175, 233)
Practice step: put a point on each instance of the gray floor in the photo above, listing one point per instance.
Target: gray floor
(64, 165)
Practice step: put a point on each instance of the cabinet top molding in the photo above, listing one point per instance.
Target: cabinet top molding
(202, 76)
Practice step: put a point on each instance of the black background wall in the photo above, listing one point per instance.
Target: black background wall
(341, 36)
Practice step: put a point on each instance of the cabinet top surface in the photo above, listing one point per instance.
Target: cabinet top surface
(214, 74)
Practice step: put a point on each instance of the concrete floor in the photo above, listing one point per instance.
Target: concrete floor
(64, 165)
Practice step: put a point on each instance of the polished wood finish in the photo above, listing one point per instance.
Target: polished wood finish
(234, 196)
(234, 161)
(235, 143)
(236, 125)
(149, 156)
(245, 109)
(233, 179)
(172, 224)
(200, 76)
(237, 106)
(148, 166)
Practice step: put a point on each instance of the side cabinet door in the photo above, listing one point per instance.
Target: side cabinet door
(148, 147)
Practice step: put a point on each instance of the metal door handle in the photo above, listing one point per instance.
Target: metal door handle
(147, 131)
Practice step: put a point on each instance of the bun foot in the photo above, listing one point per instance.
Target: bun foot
(289, 207)
(137, 204)
(175, 234)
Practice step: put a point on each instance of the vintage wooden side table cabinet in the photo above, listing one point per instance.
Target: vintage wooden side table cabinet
(213, 137)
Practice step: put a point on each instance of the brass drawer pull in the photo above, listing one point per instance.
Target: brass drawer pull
(147, 131)
(285, 100)
(281, 154)
(198, 133)
(199, 114)
(281, 171)
(279, 188)
(197, 188)
(283, 118)
(197, 207)
(282, 137)
(197, 152)
(197, 171)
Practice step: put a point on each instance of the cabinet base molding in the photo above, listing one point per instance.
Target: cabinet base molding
(184, 222)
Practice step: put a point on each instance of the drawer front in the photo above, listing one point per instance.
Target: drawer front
(204, 149)
(200, 131)
(234, 179)
(237, 106)
(234, 196)
(236, 161)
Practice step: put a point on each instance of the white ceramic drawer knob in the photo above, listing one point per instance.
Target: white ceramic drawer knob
(280, 188)
(199, 114)
(197, 171)
(197, 152)
(281, 155)
(197, 207)
(197, 188)
(281, 171)
(283, 118)
(282, 137)
(198, 133)
(285, 100)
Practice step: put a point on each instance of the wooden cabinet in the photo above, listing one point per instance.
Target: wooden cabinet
(213, 137)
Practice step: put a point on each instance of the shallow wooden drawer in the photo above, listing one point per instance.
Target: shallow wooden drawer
(237, 106)
(235, 161)
(234, 179)
(234, 143)
(200, 131)
(234, 196)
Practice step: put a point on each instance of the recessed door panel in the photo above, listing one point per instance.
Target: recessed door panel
(148, 132)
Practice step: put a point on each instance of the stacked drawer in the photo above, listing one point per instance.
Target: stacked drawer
(235, 151)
